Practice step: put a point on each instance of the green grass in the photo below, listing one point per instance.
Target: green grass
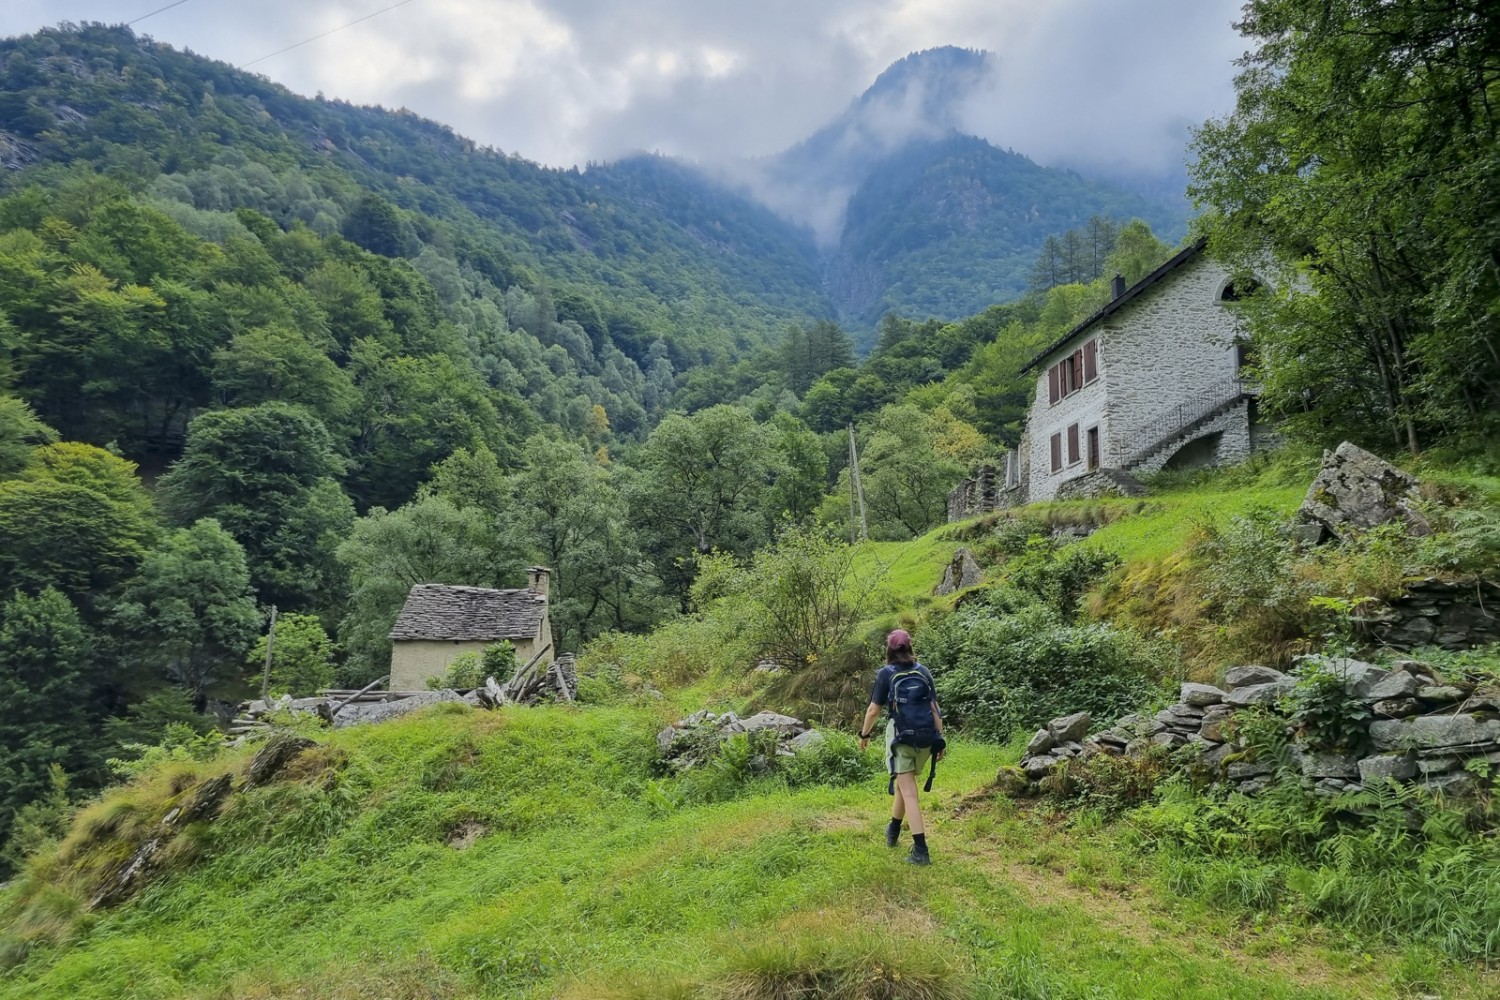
(590, 880)
(909, 570)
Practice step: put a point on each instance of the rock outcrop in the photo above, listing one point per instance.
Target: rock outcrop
(961, 573)
(689, 742)
(1355, 491)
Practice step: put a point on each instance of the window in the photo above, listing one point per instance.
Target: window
(1056, 443)
(1073, 444)
(1073, 372)
(1093, 448)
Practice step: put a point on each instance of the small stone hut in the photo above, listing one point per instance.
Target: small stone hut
(438, 622)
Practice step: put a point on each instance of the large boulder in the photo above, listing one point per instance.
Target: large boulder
(1355, 491)
(961, 573)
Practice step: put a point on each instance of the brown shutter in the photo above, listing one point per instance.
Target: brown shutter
(1091, 361)
(1078, 369)
(1072, 443)
(1052, 393)
(1056, 452)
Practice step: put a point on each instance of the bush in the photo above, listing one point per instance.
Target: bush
(498, 661)
(804, 598)
(1008, 663)
(180, 742)
(1058, 577)
(301, 659)
(465, 673)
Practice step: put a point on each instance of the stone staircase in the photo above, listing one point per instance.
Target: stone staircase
(1178, 424)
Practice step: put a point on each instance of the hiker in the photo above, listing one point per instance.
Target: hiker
(913, 737)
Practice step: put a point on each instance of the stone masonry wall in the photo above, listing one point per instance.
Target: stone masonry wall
(1235, 445)
(1167, 346)
(1421, 730)
(1438, 613)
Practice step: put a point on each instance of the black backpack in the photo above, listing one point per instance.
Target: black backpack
(911, 711)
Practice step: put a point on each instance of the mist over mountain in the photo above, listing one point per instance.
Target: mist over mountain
(913, 212)
(920, 98)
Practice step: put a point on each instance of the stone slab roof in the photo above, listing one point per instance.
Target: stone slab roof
(1184, 255)
(469, 614)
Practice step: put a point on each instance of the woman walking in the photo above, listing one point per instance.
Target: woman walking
(913, 737)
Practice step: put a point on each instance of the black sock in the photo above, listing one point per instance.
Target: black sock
(895, 825)
(919, 841)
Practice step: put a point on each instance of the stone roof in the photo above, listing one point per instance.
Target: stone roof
(1184, 255)
(470, 614)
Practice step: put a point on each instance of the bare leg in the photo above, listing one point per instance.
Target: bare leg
(898, 805)
(906, 795)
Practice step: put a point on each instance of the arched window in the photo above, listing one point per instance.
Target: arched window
(1233, 291)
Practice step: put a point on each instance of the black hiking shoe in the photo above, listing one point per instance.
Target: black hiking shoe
(892, 834)
(919, 855)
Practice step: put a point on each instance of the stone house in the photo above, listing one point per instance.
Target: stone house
(438, 622)
(1149, 381)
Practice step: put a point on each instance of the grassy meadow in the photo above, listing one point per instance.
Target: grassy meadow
(533, 853)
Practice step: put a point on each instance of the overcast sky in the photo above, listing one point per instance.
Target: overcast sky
(1083, 82)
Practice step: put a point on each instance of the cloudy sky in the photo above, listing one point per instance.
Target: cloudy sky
(1112, 83)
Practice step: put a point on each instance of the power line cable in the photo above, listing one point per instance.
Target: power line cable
(158, 10)
(325, 34)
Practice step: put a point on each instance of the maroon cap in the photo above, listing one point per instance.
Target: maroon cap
(897, 638)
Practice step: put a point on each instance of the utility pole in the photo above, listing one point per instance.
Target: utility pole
(265, 678)
(858, 490)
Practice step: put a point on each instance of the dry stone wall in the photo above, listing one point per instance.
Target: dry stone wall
(1453, 615)
(1443, 736)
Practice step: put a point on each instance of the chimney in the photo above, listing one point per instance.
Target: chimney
(537, 578)
(1119, 285)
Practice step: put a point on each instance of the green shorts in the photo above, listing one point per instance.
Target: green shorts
(908, 759)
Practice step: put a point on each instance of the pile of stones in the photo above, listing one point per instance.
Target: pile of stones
(1422, 730)
(689, 742)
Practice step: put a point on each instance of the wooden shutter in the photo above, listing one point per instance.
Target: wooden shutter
(1052, 393)
(1056, 452)
(1072, 443)
(1091, 361)
(1078, 369)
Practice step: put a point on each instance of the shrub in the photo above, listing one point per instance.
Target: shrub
(1466, 542)
(465, 672)
(1008, 663)
(804, 597)
(1058, 577)
(1325, 712)
(499, 660)
(301, 658)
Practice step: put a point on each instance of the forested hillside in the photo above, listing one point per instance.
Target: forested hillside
(139, 110)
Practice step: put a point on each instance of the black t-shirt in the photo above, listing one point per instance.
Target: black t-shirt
(880, 694)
